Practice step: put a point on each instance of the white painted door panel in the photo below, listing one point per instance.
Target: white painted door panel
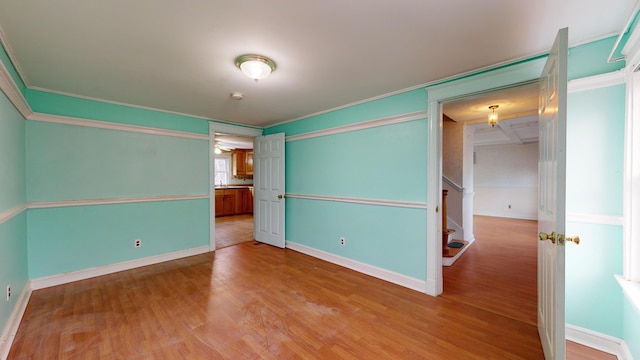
(268, 185)
(551, 199)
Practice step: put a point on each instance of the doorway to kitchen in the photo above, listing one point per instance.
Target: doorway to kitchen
(231, 184)
(233, 179)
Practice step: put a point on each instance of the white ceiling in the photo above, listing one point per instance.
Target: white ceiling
(179, 55)
(517, 113)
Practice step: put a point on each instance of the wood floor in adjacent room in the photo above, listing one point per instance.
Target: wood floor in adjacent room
(254, 301)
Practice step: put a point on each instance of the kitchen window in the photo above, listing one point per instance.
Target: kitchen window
(222, 170)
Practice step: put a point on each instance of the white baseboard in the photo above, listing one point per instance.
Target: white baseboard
(390, 276)
(64, 278)
(448, 261)
(11, 329)
(599, 341)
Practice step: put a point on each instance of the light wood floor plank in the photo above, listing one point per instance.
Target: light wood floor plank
(254, 301)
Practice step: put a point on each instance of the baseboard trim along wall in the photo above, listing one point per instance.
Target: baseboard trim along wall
(599, 341)
(53, 280)
(11, 329)
(390, 276)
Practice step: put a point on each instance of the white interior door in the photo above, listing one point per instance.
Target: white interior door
(268, 185)
(551, 199)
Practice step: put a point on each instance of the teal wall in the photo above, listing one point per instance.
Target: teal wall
(66, 162)
(81, 237)
(595, 151)
(13, 232)
(387, 163)
(632, 329)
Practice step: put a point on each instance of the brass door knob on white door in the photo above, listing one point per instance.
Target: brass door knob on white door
(545, 236)
(280, 196)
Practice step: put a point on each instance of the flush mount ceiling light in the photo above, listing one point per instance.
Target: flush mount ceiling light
(493, 115)
(256, 67)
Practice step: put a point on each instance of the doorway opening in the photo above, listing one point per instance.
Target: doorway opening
(491, 176)
(233, 189)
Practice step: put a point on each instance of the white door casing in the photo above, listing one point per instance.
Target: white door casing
(551, 199)
(268, 185)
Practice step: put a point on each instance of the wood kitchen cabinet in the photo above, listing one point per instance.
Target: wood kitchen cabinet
(234, 201)
(242, 163)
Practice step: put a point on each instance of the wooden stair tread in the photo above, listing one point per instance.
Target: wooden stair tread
(448, 231)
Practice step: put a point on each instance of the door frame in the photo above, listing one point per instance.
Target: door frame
(214, 128)
(487, 81)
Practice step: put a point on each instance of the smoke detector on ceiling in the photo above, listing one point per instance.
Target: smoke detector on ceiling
(237, 95)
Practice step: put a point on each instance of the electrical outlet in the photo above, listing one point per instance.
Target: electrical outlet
(137, 243)
(8, 292)
(342, 241)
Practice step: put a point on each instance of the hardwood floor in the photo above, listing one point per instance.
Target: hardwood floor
(233, 230)
(498, 273)
(259, 302)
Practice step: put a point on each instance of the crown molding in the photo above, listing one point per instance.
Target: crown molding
(11, 90)
(67, 120)
(390, 120)
(597, 81)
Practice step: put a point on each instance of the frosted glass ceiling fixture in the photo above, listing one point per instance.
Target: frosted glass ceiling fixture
(493, 115)
(256, 67)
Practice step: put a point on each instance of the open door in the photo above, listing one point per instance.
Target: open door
(268, 185)
(552, 110)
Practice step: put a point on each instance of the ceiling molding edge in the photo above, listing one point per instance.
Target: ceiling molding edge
(13, 93)
(67, 120)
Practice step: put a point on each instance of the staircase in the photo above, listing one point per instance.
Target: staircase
(445, 232)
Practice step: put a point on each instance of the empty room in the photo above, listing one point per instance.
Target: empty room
(264, 180)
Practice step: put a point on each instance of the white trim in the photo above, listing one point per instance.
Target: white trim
(235, 129)
(11, 90)
(448, 261)
(434, 196)
(505, 77)
(631, 186)
(631, 290)
(88, 202)
(212, 188)
(389, 120)
(67, 120)
(597, 81)
(363, 201)
(390, 276)
(595, 219)
(598, 341)
(11, 328)
(10, 213)
(64, 278)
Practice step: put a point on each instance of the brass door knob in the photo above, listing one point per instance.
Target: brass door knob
(280, 196)
(573, 239)
(545, 236)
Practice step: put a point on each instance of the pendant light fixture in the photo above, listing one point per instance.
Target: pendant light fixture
(493, 115)
(256, 67)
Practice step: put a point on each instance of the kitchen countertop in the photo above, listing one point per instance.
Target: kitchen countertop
(222, 187)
